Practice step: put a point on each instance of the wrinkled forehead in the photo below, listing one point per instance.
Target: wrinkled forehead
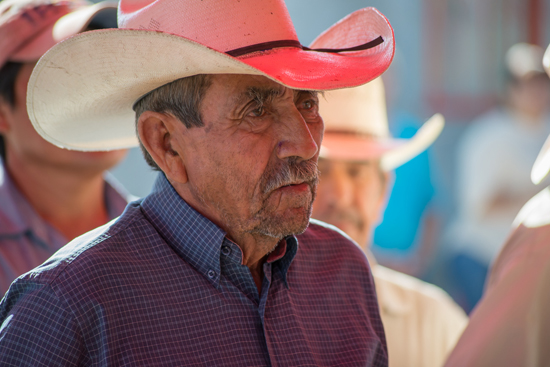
(239, 88)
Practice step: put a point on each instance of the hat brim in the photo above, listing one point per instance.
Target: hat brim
(36, 47)
(541, 167)
(67, 25)
(391, 152)
(81, 92)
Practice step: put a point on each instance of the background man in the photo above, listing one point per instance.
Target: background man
(511, 324)
(49, 195)
(493, 162)
(421, 322)
(206, 270)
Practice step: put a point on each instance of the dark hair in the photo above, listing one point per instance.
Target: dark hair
(107, 18)
(8, 74)
(181, 98)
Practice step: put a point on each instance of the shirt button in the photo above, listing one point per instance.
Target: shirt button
(211, 274)
(226, 250)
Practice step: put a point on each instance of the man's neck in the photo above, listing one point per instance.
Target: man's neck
(254, 246)
(70, 201)
(255, 249)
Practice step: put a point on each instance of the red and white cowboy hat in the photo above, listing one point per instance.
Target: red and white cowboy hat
(81, 92)
(29, 28)
(356, 128)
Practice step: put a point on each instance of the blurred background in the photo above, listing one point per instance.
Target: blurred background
(451, 58)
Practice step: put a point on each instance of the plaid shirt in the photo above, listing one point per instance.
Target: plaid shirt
(163, 286)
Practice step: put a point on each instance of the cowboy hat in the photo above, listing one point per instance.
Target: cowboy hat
(356, 128)
(28, 28)
(523, 61)
(81, 93)
(541, 167)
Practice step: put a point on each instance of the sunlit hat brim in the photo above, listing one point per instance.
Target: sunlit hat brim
(81, 92)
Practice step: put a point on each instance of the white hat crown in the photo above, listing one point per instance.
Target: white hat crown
(360, 110)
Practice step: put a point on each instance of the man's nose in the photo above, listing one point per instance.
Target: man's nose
(340, 187)
(296, 139)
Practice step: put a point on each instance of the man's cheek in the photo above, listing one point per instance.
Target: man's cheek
(320, 131)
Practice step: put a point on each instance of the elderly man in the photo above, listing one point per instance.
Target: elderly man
(217, 266)
(48, 195)
(511, 324)
(421, 322)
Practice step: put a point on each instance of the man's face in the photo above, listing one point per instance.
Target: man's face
(252, 168)
(531, 96)
(26, 147)
(350, 196)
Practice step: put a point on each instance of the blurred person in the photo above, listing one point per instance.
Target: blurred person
(421, 321)
(511, 324)
(219, 264)
(48, 195)
(493, 160)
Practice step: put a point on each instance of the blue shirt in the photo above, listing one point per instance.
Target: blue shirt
(27, 240)
(163, 286)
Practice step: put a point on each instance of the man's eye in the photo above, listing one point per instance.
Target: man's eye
(353, 172)
(258, 112)
(308, 105)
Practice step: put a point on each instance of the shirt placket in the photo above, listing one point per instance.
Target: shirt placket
(238, 274)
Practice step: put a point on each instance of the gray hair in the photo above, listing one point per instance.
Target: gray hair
(181, 98)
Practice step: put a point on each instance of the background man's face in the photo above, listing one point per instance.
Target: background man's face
(350, 196)
(531, 96)
(25, 146)
(254, 161)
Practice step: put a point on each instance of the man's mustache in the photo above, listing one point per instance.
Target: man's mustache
(340, 215)
(289, 172)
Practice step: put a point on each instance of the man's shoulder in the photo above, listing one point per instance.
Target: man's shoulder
(323, 241)
(489, 128)
(526, 251)
(403, 296)
(82, 252)
(404, 289)
(323, 234)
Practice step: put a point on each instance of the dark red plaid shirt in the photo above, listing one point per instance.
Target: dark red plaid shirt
(162, 286)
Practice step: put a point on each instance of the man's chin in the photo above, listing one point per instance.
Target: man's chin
(283, 225)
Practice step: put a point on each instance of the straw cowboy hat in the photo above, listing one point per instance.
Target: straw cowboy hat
(81, 93)
(541, 167)
(356, 128)
(28, 28)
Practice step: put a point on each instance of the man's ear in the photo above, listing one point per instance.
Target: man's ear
(157, 134)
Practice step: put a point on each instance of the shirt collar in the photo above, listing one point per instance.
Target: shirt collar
(283, 257)
(192, 236)
(195, 238)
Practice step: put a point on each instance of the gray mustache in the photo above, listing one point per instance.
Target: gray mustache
(290, 172)
(340, 215)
